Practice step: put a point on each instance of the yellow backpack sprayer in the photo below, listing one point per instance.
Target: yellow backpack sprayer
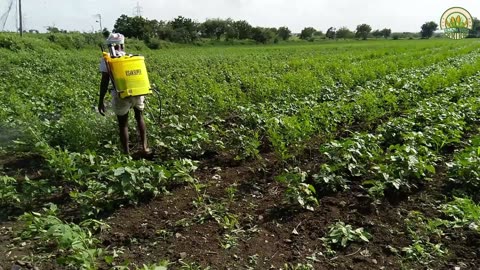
(128, 73)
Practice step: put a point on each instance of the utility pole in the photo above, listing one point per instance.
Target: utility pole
(20, 17)
(137, 11)
(99, 16)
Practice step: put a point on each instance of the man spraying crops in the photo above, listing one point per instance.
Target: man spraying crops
(121, 106)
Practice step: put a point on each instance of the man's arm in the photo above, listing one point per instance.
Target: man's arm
(103, 91)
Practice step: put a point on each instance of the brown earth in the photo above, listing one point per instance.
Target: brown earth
(269, 232)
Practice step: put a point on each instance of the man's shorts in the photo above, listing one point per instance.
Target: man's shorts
(121, 106)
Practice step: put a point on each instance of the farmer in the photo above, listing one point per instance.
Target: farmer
(121, 106)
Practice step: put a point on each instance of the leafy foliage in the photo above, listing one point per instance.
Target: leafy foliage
(363, 30)
(340, 235)
(75, 243)
(464, 212)
(428, 28)
(298, 191)
(464, 170)
(382, 115)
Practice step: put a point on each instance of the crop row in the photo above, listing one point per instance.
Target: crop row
(211, 96)
(289, 124)
(403, 152)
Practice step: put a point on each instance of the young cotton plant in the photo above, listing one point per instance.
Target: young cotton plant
(298, 191)
(115, 180)
(75, 244)
(25, 193)
(353, 155)
(464, 212)
(426, 235)
(8, 191)
(406, 165)
(340, 235)
(326, 179)
(100, 182)
(464, 170)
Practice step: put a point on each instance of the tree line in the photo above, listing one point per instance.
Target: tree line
(187, 31)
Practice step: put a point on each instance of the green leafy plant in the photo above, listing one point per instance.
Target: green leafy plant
(327, 179)
(375, 188)
(191, 266)
(339, 235)
(249, 147)
(464, 212)
(298, 191)
(407, 166)
(464, 170)
(298, 266)
(425, 234)
(8, 191)
(355, 154)
(76, 244)
(163, 265)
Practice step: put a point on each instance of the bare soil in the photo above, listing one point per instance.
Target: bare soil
(269, 234)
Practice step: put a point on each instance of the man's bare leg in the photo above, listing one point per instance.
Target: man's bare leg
(142, 129)
(123, 130)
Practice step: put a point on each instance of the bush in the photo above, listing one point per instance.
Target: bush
(153, 43)
(156, 43)
(9, 43)
(133, 44)
(76, 40)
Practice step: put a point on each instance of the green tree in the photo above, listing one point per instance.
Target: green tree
(307, 33)
(243, 28)
(344, 33)
(284, 33)
(184, 30)
(130, 26)
(386, 32)
(475, 31)
(231, 32)
(362, 31)
(105, 32)
(427, 29)
(377, 33)
(331, 33)
(164, 31)
(262, 35)
(318, 33)
(214, 28)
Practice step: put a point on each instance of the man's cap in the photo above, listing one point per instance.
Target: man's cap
(115, 38)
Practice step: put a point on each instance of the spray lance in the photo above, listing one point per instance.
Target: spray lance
(106, 57)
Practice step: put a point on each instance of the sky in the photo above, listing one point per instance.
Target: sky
(399, 15)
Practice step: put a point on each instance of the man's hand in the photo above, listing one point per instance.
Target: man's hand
(101, 108)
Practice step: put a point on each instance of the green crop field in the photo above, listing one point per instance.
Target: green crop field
(301, 155)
